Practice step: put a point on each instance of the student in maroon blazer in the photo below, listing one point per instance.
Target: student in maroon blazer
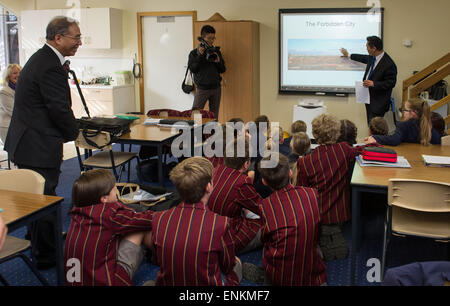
(290, 234)
(234, 195)
(104, 235)
(194, 245)
(326, 169)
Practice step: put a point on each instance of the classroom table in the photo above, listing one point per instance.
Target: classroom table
(376, 180)
(153, 135)
(22, 208)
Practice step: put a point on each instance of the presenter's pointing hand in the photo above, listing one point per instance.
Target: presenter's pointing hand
(344, 52)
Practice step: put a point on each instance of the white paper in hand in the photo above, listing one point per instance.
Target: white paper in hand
(362, 93)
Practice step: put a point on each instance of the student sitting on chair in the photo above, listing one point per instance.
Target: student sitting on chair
(194, 246)
(291, 217)
(349, 131)
(378, 126)
(234, 196)
(416, 128)
(326, 169)
(105, 235)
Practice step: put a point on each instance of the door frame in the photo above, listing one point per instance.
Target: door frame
(141, 15)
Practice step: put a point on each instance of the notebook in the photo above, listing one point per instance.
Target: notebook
(402, 162)
(436, 161)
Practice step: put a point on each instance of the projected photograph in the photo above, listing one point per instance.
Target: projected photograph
(324, 54)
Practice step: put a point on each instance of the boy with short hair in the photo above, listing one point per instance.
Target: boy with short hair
(234, 195)
(326, 169)
(105, 235)
(194, 245)
(291, 228)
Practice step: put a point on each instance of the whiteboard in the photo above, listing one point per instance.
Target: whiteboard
(166, 45)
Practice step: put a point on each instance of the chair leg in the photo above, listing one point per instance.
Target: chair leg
(3, 280)
(34, 270)
(387, 233)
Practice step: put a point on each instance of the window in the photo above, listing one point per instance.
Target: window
(9, 38)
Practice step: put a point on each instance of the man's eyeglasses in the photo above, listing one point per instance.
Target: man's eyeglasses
(76, 38)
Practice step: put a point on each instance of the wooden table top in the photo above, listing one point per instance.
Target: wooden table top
(379, 176)
(17, 205)
(155, 133)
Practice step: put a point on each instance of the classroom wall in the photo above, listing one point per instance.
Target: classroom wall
(426, 23)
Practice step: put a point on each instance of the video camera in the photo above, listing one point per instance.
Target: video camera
(210, 52)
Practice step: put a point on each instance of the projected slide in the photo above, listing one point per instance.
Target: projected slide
(310, 43)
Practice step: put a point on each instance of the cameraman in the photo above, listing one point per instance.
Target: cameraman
(206, 63)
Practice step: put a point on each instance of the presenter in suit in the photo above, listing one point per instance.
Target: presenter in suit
(42, 120)
(380, 76)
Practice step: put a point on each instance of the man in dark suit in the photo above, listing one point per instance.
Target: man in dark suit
(43, 120)
(380, 76)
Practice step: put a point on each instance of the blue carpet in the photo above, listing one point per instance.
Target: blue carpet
(401, 250)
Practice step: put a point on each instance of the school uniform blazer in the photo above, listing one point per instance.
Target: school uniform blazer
(326, 169)
(232, 192)
(93, 238)
(384, 77)
(290, 236)
(194, 247)
(42, 118)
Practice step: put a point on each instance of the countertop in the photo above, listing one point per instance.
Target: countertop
(100, 86)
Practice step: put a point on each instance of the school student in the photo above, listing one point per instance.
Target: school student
(326, 169)
(348, 133)
(194, 245)
(300, 146)
(416, 128)
(234, 195)
(296, 127)
(291, 228)
(378, 126)
(438, 123)
(104, 235)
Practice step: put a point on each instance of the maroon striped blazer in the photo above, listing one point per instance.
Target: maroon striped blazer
(93, 238)
(194, 247)
(232, 192)
(290, 236)
(327, 169)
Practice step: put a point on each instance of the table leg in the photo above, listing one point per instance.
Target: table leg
(59, 247)
(356, 235)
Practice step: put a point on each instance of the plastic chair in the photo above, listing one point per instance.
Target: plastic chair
(106, 158)
(445, 141)
(164, 112)
(23, 180)
(417, 208)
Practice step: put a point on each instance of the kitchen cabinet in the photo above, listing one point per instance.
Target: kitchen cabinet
(101, 28)
(103, 100)
(239, 44)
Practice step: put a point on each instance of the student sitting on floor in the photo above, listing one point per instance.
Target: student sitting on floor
(348, 133)
(378, 126)
(326, 169)
(300, 146)
(104, 235)
(296, 127)
(291, 228)
(234, 195)
(416, 128)
(194, 245)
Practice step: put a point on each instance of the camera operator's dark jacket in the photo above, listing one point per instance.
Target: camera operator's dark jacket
(206, 74)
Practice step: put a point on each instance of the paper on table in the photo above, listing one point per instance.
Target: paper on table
(402, 162)
(431, 160)
(362, 93)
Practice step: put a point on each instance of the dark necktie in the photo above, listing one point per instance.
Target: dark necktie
(66, 66)
(371, 67)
